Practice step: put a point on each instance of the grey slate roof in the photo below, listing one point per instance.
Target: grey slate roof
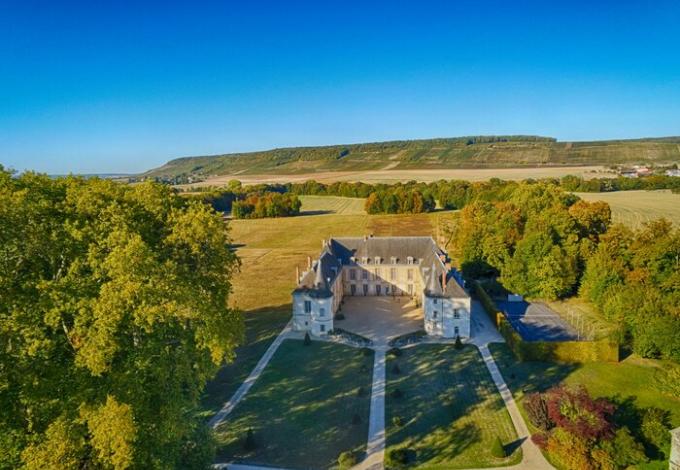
(341, 251)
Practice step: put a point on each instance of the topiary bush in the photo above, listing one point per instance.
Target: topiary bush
(397, 458)
(347, 460)
(249, 443)
(458, 344)
(308, 340)
(497, 449)
(397, 393)
(361, 392)
(394, 352)
(398, 421)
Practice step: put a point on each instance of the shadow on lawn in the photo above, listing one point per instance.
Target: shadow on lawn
(261, 328)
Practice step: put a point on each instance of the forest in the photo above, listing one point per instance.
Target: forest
(113, 315)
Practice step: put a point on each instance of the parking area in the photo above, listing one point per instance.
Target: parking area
(537, 321)
(380, 318)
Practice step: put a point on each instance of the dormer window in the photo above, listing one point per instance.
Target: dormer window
(353, 259)
(364, 260)
(377, 260)
(409, 260)
(393, 260)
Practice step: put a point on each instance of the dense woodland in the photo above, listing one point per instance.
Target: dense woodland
(113, 316)
(543, 242)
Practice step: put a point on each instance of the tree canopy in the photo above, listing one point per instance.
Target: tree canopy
(113, 315)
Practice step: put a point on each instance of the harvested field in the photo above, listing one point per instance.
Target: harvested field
(634, 208)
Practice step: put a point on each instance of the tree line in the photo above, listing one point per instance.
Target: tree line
(113, 315)
(543, 242)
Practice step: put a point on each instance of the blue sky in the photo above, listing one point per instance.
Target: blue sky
(123, 87)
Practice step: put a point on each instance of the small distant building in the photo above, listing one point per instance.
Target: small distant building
(643, 171)
(382, 266)
(673, 172)
(629, 173)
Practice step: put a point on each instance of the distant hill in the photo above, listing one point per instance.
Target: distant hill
(458, 152)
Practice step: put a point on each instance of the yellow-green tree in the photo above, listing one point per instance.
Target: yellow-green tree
(113, 315)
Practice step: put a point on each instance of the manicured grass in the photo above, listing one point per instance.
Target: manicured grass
(634, 208)
(451, 409)
(302, 407)
(632, 379)
(332, 205)
(262, 327)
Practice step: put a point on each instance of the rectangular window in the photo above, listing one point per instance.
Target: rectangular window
(456, 331)
(410, 289)
(308, 306)
(434, 315)
(377, 289)
(353, 274)
(456, 313)
(365, 289)
(323, 328)
(377, 273)
(322, 312)
(409, 274)
(393, 274)
(434, 301)
(353, 289)
(364, 274)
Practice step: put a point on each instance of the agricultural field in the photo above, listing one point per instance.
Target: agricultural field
(450, 412)
(312, 205)
(389, 175)
(310, 404)
(634, 208)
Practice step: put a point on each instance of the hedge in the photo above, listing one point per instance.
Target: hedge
(603, 350)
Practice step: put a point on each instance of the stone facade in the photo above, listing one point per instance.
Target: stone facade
(374, 266)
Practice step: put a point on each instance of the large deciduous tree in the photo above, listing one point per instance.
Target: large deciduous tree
(113, 315)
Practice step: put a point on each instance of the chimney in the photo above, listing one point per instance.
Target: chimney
(443, 280)
(309, 263)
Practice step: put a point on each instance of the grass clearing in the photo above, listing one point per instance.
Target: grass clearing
(301, 409)
(451, 409)
(634, 208)
(332, 205)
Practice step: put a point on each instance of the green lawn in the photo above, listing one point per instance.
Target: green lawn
(262, 327)
(301, 408)
(631, 382)
(633, 378)
(451, 409)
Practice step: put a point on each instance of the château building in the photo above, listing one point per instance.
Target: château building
(382, 266)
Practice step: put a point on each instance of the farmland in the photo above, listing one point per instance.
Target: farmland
(482, 152)
(332, 205)
(633, 208)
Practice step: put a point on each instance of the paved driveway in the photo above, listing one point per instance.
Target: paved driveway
(380, 318)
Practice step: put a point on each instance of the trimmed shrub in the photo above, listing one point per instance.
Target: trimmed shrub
(396, 369)
(458, 344)
(356, 419)
(361, 392)
(397, 393)
(249, 442)
(398, 421)
(497, 449)
(394, 352)
(308, 340)
(347, 460)
(397, 458)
